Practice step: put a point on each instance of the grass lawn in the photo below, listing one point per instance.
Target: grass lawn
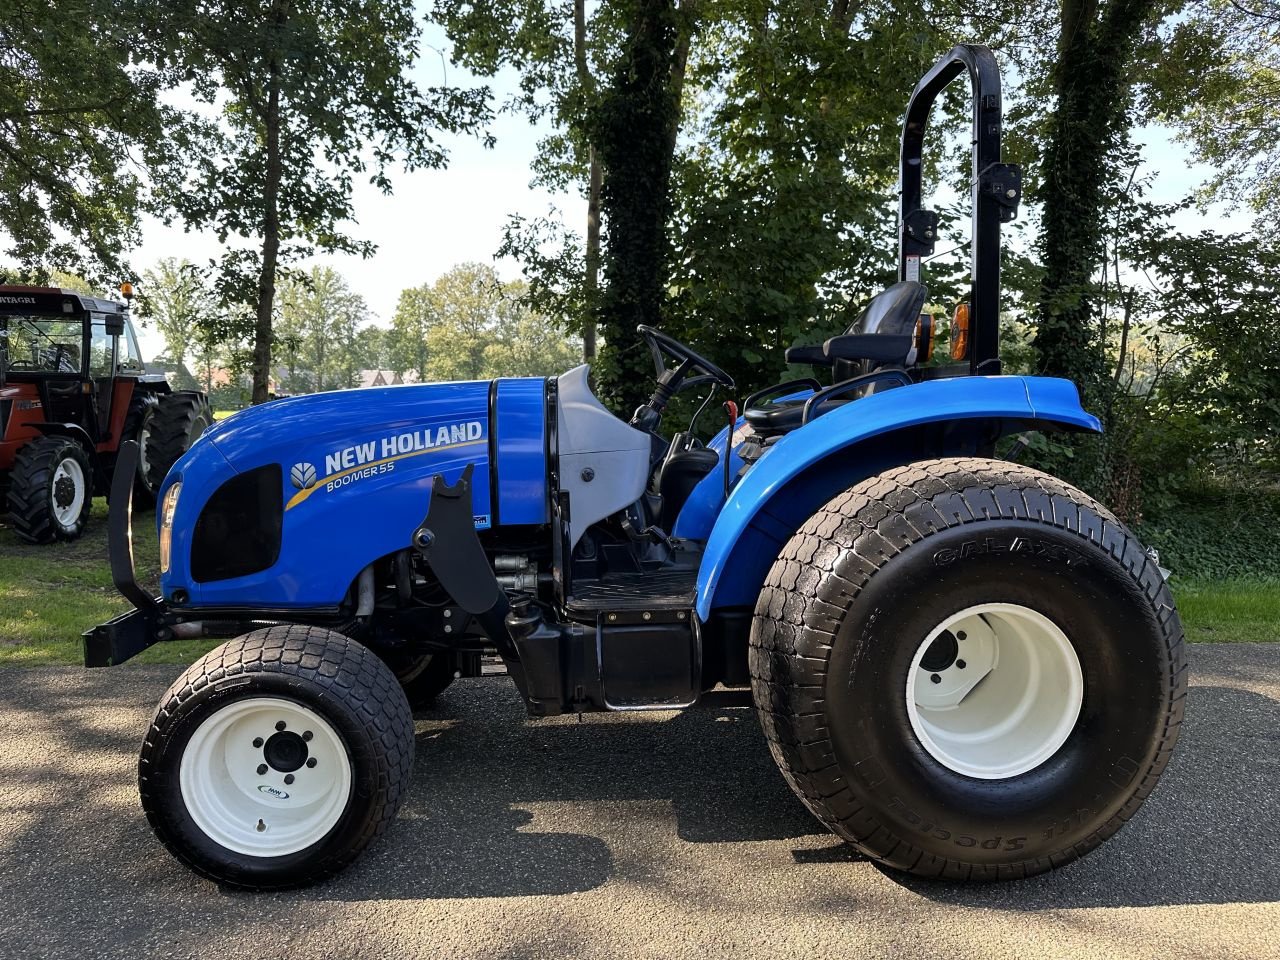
(50, 595)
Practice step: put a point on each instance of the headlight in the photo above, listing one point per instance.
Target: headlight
(167, 510)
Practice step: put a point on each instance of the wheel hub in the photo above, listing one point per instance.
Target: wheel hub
(285, 752)
(64, 492)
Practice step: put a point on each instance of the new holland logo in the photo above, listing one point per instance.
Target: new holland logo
(303, 476)
(378, 457)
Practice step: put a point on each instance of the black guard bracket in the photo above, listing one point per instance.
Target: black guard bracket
(1003, 181)
(446, 539)
(116, 641)
(919, 232)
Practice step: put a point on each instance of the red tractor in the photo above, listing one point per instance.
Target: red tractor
(73, 387)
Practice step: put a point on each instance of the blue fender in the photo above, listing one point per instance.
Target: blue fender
(809, 466)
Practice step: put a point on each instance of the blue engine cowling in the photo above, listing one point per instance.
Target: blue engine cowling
(284, 504)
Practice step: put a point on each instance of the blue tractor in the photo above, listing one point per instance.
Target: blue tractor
(963, 666)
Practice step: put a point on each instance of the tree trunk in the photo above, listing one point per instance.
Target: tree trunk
(591, 276)
(1093, 88)
(270, 231)
(591, 265)
(634, 130)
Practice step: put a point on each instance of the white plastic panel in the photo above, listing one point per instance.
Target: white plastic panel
(593, 442)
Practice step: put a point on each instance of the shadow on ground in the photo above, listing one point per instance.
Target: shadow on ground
(504, 807)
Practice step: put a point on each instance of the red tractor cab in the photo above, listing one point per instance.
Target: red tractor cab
(73, 386)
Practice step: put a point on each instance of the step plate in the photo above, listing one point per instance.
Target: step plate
(619, 592)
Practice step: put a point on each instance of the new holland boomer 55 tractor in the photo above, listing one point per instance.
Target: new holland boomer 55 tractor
(963, 666)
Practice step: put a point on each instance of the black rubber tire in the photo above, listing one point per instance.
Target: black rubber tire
(179, 421)
(856, 591)
(142, 413)
(328, 673)
(424, 677)
(31, 490)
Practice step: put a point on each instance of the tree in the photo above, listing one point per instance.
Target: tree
(784, 206)
(312, 94)
(317, 329)
(527, 344)
(558, 50)
(469, 325)
(415, 315)
(79, 119)
(1217, 78)
(635, 127)
(1092, 79)
(174, 294)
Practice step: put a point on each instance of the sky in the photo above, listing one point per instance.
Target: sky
(439, 218)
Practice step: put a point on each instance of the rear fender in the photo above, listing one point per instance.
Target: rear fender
(806, 468)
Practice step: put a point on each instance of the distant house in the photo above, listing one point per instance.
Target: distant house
(385, 378)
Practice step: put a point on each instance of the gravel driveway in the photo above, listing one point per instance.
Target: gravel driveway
(625, 835)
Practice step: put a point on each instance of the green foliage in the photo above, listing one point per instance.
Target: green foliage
(1217, 79)
(468, 325)
(1084, 142)
(77, 115)
(784, 208)
(317, 332)
(310, 96)
(634, 128)
(175, 296)
(1217, 532)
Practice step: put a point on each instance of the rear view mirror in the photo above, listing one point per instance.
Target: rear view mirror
(115, 324)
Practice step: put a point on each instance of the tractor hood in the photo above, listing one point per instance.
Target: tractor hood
(291, 499)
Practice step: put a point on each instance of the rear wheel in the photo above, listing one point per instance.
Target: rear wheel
(50, 490)
(178, 423)
(277, 758)
(138, 425)
(968, 669)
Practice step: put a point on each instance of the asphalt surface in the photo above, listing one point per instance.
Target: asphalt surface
(638, 835)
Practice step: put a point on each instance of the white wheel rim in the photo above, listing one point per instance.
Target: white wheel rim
(68, 492)
(144, 442)
(1007, 700)
(276, 812)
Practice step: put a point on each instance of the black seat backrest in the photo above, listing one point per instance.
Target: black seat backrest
(893, 312)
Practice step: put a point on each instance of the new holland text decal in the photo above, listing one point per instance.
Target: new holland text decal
(376, 457)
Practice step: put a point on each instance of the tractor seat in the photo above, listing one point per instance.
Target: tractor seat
(882, 337)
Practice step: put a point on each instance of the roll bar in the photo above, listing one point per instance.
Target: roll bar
(997, 187)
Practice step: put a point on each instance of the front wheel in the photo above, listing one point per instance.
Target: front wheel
(277, 758)
(50, 490)
(968, 669)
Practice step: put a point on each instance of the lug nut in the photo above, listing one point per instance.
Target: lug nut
(960, 664)
(307, 734)
(262, 769)
(257, 741)
(280, 725)
(961, 635)
(935, 678)
(288, 779)
(311, 763)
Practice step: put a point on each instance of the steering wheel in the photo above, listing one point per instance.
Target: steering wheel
(671, 380)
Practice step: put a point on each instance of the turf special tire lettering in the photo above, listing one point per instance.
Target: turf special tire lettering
(178, 423)
(1062, 612)
(277, 758)
(50, 490)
